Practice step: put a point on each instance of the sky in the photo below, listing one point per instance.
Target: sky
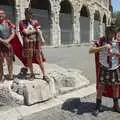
(116, 5)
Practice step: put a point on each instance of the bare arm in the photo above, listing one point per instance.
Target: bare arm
(95, 49)
(1, 40)
(116, 54)
(41, 35)
(11, 37)
(6, 41)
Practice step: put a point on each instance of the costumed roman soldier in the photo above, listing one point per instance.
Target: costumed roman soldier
(7, 33)
(107, 55)
(32, 41)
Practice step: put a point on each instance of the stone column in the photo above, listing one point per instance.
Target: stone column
(101, 27)
(76, 27)
(55, 33)
(108, 21)
(23, 4)
(17, 12)
(92, 26)
(18, 17)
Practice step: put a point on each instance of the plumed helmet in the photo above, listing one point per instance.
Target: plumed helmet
(28, 11)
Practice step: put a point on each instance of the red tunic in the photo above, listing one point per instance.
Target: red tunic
(19, 49)
(30, 41)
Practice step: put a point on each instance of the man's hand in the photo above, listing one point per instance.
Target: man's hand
(117, 54)
(108, 46)
(6, 43)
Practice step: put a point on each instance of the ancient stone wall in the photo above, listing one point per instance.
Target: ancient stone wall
(68, 21)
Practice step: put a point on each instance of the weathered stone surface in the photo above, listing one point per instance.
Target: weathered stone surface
(102, 6)
(65, 80)
(36, 91)
(33, 91)
(61, 81)
(7, 96)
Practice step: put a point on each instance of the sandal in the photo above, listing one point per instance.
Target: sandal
(46, 78)
(2, 81)
(23, 73)
(9, 78)
(31, 77)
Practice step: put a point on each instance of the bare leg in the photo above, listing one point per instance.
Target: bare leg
(9, 61)
(115, 88)
(115, 98)
(29, 61)
(99, 100)
(99, 91)
(41, 65)
(1, 69)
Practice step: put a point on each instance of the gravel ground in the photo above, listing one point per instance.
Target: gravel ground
(76, 109)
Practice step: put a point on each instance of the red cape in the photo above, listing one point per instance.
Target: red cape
(18, 50)
(107, 92)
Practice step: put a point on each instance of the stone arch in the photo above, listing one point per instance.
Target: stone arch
(104, 22)
(43, 5)
(9, 7)
(41, 10)
(66, 22)
(97, 19)
(84, 24)
(104, 19)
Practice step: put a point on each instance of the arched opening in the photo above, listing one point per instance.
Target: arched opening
(96, 25)
(66, 25)
(109, 21)
(41, 11)
(84, 25)
(104, 24)
(9, 7)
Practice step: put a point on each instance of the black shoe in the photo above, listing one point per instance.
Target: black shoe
(116, 109)
(97, 111)
(46, 78)
(23, 73)
(31, 77)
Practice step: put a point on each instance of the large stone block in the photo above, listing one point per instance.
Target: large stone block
(36, 91)
(61, 81)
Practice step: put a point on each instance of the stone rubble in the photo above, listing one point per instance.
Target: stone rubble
(22, 91)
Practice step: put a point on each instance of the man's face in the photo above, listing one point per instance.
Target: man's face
(2, 16)
(118, 36)
(28, 15)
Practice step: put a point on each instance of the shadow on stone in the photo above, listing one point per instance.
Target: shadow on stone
(76, 106)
